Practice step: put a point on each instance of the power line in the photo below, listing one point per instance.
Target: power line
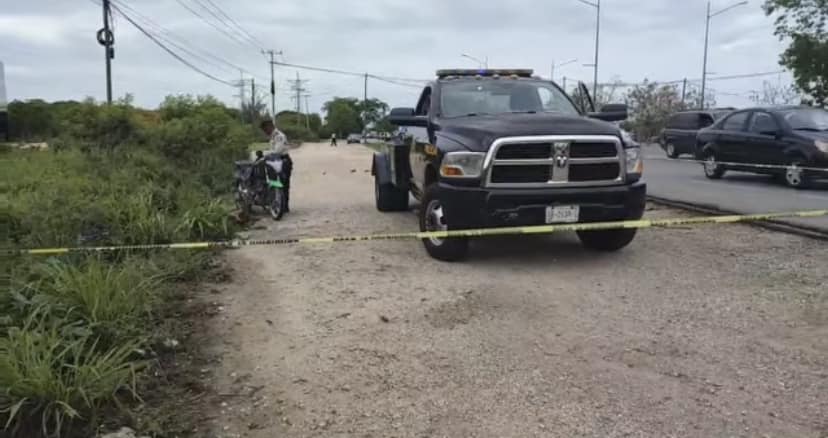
(348, 73)
(215, 26)
(165, 35)
(168, 50)
(182, 44)
(250, 37)
(221, 20)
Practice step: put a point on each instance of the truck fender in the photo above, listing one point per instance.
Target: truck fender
(381, 168)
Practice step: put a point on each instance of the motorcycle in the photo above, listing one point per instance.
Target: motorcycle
(259, 183)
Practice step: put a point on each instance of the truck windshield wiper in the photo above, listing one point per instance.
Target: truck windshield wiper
(524, 112)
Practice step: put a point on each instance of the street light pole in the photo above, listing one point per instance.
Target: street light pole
(554, 66)
(480, 63)
(597, 42)
(704, 65)
(597, 6)
(707, 41)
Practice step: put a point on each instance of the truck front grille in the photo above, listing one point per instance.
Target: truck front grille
(552, 161)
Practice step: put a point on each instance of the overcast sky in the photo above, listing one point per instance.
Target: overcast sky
(49, 48)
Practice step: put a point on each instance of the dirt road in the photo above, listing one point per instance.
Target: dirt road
(710, 332)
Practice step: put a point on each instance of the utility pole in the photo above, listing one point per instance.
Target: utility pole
(564, 84)
(683, 91)
(107, 39)
(307, 112)
(272, 82)
(296, 86)
(241, 96)
(252, 96)
(365, 104)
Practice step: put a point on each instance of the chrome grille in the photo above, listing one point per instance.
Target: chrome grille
(552, 161)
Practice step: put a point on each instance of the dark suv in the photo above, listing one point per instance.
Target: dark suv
(789, 141)
(679, 136)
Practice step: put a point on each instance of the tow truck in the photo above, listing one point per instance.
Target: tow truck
(498, 148)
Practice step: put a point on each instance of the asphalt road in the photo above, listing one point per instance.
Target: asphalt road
(684, 181)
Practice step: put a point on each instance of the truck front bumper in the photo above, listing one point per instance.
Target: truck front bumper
(475, 207)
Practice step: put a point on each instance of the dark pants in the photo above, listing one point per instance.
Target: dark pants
(287, 171)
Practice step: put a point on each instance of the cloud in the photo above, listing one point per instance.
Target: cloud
(51, 44)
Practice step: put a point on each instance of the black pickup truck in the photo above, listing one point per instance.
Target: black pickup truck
(493, 148)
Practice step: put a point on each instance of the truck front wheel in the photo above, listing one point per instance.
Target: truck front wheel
(433, 218)
(607, 240)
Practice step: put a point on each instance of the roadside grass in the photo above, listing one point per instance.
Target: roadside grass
(81, 334)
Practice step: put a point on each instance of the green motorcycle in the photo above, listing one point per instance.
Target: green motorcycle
(260, 183)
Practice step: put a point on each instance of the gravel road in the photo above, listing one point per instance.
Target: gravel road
(716, 331)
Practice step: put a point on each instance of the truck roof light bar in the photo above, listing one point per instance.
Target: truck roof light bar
(521, 73)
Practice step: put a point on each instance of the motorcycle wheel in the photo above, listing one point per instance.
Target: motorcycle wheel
(276, 203)
(242, 201)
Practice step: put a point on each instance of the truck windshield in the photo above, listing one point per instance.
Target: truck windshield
(493, 96)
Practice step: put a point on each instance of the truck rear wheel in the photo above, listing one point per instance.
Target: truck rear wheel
(433, 218)
(607, 240)
(389, 197)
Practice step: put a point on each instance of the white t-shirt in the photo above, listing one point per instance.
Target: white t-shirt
(278, 142)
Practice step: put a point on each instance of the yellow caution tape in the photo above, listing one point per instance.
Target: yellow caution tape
(741, 165)
(539, 229)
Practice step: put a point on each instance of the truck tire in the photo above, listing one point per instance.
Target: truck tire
(607, 240)
(389, 198)
(433, 218)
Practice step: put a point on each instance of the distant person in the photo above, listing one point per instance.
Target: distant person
(333, 139)
(279, 148)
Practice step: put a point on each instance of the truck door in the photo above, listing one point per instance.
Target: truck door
(588, 105)
(419, 138)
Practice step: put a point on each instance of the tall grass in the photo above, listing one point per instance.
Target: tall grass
(71, 327)
(52, 381)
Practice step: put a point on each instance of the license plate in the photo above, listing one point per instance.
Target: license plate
(562, 214)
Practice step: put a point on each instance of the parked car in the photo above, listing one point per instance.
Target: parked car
(679, 136)
(354, 138)
(787, 139)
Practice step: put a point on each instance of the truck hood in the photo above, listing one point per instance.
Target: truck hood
(478, 132)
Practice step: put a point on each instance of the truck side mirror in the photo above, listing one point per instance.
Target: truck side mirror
(406, 117)
(614, 112)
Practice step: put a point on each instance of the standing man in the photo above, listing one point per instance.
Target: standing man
(279, 148)
(333, 139)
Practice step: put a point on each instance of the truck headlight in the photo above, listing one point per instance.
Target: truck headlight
(462, 165)
(822, 146)
(635, 165)
(628, 139)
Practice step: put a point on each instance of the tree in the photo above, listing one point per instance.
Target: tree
(776, 94)
(372, 110)
(651, 105)
(343, 116)
(803, 24)
(253, 112)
